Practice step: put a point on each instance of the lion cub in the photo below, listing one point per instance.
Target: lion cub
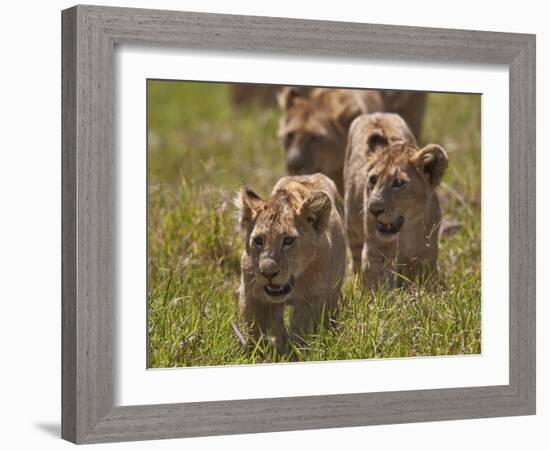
(314, 126)
(294, 255)
(392, 208)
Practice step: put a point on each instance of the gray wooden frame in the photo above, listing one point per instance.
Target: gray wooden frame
(90, 34)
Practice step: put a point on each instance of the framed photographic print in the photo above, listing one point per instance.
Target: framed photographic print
(278, 224)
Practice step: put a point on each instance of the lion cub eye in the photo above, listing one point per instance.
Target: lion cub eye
(398, 182)
(373, 179)
(288, 241)
(258, 241)
(314, 138)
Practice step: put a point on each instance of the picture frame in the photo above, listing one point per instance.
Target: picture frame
(89, 37)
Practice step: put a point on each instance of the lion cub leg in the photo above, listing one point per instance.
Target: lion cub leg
(355, 235)
(355, 242)
(307, 316)
(419, 269)
(374, 270)
(265, 320)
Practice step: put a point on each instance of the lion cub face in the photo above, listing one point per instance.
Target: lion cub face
(313, 130)
(281, 237)
(400, 181)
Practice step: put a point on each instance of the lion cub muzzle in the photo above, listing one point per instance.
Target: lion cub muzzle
(273, 290)
(391, 229)
(275, 284)
(387, 224)
(296, 163)
(268, 268)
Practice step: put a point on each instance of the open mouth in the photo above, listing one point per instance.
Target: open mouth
(276, 291)
(390, 228)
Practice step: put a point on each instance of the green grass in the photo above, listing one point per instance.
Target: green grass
(201, 150)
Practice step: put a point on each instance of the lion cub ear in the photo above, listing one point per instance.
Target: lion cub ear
(247, 202)
(286, 97)
(316, 210)
(432, 161)
(376, 141)
(346, 111)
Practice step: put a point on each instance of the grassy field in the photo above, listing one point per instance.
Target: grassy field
(201, 149)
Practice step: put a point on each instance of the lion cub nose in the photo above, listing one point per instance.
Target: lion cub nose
(268, 268)
(376, 208)
(294, 165)
(294, 161)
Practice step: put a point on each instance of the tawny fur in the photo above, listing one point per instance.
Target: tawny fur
(382, 148)
(309, 209)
